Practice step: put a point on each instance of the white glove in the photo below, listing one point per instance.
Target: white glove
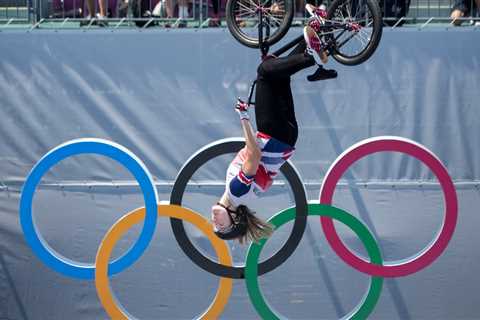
(242, 109)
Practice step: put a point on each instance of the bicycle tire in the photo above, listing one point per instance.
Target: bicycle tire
(240, 33)
(373, 40)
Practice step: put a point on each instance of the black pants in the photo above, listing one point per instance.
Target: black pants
(274, 109)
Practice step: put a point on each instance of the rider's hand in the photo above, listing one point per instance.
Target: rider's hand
(242, 109)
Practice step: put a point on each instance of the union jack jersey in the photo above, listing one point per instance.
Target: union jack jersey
(242, 188)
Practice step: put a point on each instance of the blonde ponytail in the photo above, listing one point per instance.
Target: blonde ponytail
(257, 229)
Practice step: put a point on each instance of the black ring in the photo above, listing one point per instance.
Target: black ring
(210, 151)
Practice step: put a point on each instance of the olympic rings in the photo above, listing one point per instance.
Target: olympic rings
(363, 310)
(110, 304)
(213, 150)
(389, 143)
(106, 148)
(103, 269)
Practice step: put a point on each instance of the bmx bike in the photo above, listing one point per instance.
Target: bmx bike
(350, 29)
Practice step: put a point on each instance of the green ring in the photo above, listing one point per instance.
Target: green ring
(363, 310)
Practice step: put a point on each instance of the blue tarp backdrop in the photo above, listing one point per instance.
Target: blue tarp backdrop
(165, 94)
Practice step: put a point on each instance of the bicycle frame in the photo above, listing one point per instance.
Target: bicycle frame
(264, 47)
(250, 94)
(327, 27)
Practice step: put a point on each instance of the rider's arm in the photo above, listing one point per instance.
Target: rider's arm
(253, 154)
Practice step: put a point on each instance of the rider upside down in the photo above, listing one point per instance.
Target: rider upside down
(255, 166)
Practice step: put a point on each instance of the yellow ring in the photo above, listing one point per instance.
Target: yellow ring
(110, 304)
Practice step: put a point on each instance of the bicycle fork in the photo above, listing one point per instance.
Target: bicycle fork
(264, 47)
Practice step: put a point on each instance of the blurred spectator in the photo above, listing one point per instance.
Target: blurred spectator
(465, 8)
(215, 20)
(102, 5)
(394, 11)
(183, 12)
(122, 8)
(299, 6)
(164, 9)
(169, 6)
(141, 11)
(100, 17)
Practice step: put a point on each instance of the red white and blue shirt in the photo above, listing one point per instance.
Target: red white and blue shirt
(242, 188)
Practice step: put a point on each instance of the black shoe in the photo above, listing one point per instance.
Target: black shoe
(322, 74)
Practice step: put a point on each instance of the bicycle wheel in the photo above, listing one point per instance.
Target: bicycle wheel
(243, 20)
(356, 30)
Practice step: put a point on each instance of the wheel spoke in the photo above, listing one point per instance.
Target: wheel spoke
(277, 21)
(242, 15)
(347, 8)
(364, 34)
(246, 8)
(361, 39)
(361, 10)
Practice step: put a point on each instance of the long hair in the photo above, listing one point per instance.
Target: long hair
(257, 229)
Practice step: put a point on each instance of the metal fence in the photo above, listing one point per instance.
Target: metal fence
(15, 10)
(203, 13)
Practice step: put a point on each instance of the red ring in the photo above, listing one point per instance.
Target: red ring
(398, 144)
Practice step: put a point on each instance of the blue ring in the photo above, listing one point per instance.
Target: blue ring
(75, 147)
